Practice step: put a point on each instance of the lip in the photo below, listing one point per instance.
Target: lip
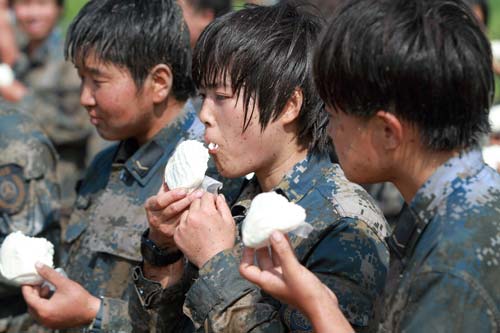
(207, 142)
(94, 119)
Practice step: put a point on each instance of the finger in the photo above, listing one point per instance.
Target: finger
(196, 194)
(32, 297)
(162, 200)
(248, 256)
(183, 218)
(247, 268)
(176, 208)
(284, 253)
(195, 205)
(275, 258)
(223, 209)
(264, 259)
(167, 198)
(207, 202)
(45, 292)
(50, 275)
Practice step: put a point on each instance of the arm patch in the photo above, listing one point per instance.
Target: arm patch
(13, 189)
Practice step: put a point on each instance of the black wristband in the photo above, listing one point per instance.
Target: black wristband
(154, 255)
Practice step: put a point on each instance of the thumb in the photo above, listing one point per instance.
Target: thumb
(223, 209)
(283, 250)
(50, 274)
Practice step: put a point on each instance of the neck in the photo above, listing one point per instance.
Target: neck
(271, 176)
(415, 169)
(33, 45)
(164, 115)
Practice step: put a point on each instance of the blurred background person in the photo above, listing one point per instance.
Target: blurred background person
(47, 87)
(29, 199)
(9, 51)
(199, 13)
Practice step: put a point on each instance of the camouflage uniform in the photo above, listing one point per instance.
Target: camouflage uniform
(389, 200)
(29, 196)
(104, 232)
(445, 263)
(54, 101)
(346, 251)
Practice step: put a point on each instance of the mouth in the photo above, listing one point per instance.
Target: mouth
(94, 120)
(212, 148)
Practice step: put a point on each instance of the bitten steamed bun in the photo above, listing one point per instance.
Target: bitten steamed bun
(187, 166)
(271, 212)
(18, 256)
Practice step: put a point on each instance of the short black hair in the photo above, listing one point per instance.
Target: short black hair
(485, 8)
(219, 7)
(325, 8)
(267, 52)
(427, 61)
(60, 3)
(136, 35)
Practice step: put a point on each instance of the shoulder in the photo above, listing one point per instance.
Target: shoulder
(350, 200)
(23, 143)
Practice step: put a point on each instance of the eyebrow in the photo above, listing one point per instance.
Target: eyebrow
(93, 70)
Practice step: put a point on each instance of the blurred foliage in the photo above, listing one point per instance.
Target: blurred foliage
(494, 33)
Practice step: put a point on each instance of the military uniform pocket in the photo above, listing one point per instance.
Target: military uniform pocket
(123, 242)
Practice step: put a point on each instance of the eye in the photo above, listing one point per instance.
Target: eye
(221, 97)
(202, 95)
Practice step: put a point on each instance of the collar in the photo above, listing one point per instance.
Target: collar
(416, 216)
(143, 162)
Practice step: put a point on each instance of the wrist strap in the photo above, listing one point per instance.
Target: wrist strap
(96, 324)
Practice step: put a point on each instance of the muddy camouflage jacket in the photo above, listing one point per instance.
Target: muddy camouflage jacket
(346, 251)
(445, 258)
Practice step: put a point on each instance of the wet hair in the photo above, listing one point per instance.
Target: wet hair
(484, 6)
(136, 35)
(426, 61)
(219, 7)
(325, 8)
(266, 52)
(60, 3)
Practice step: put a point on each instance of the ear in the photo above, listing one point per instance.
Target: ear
(292, 108)
(389, 130)
(162, 80)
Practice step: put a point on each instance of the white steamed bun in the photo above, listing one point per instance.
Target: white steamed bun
(270, 212)
(18, 256)
(187, 166)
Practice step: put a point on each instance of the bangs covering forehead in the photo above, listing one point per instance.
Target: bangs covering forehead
(223, 57)
(265, 53)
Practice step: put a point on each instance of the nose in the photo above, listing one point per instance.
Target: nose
(206, 113)
(87, 98)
